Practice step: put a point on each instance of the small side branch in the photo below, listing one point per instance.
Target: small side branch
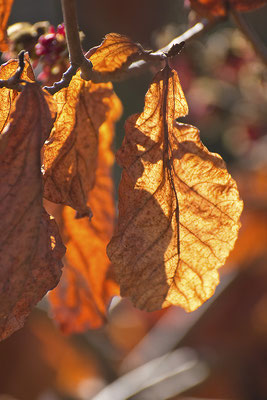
(258, 46)
(64, 82)
(14, 82)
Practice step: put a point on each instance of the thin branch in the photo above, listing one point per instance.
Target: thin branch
(76, 56)
(78, 60)
(156, 58)
(191, 33)
(72, 31)
(258, 46)
(14, 82)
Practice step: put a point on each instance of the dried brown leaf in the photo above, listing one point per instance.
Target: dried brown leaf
(112, 57)
(218, 8)
(5, 8)
(30, 246)
(79, 301)
(8, 96)
(178, 206)
(70, 156)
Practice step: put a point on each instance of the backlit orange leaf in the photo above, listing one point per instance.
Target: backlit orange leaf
(79, 302)
(5, 8)
(218, 8)
(70, 156)
(179, 208)
(252, 239)
(7, 96)
(30, 246)
(115, 54)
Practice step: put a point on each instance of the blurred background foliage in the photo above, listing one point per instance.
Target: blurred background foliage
(219, 351)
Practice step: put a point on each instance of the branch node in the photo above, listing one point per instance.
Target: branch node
(86, 69)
